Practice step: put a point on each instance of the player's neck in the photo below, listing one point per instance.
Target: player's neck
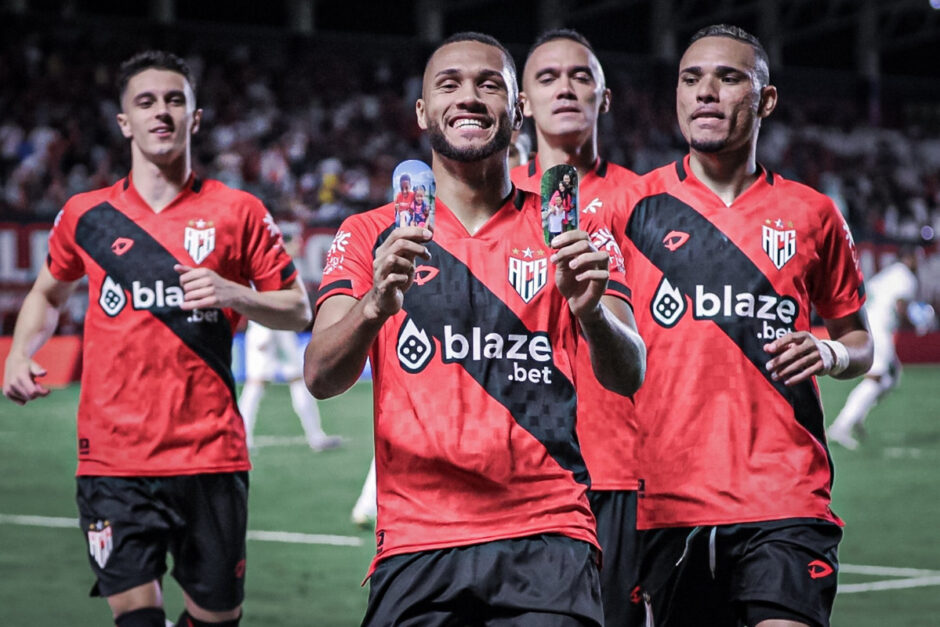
(472, 191)
(728, 175)
(582, 154)
(159, 184)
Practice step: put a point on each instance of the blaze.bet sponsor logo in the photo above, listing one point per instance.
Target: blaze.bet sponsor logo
(144, 297)
(777, 314)
(530, 354)
(528, 271)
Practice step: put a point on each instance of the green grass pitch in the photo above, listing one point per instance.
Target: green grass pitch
(887, 492)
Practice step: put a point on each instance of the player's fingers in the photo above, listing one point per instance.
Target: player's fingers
(595, 258)
(568, 237)
(594, 274)
(182, 269)
(795, 366)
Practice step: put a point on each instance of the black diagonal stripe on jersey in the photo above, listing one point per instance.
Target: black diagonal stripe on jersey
(710, 259)
(148, 261)
(455, 297)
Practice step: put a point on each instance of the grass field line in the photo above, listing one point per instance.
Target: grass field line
(889, 584)
(263, 536)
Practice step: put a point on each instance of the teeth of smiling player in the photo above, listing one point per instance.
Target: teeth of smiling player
(463, 123)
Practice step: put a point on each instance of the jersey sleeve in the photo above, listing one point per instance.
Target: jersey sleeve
(269, 265)
(836, 286)
(348, 268)
(64, 261)
(598, 224)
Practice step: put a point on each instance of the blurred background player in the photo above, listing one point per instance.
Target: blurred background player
(726, 261)
(564, 92)
(270, 352)
(482, 513)
(162, 460)
(890, 293)
(365, 510)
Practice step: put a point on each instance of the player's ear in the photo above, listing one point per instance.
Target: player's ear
(517, 109)
(421, 114)
(526, 105)
(768, 101)
(197, 120)
(124, 124)
(605, 100)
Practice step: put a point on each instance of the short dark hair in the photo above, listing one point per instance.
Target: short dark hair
(560, 33)
(152, 59)
(483, 38)
(762, 67)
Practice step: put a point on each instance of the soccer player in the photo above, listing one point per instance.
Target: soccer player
(564, 92)
(726, 259)
(481, 485)
(269, 352)
(162, 461)
(889, 294)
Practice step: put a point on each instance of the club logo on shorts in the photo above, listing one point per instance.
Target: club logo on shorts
(668, 305)
(414, 347)
(199, 239)
(819, 569)
(100, 541)
(112, 298)
(528, 272)
(779, 241)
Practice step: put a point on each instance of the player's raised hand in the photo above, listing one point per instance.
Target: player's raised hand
(19, 380)
(581, 271)
(204, 288)
(393, 269)
(797, 356)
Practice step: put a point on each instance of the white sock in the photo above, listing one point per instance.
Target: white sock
(860, 401)
(248, 406)
(306, 409)
(366, 505)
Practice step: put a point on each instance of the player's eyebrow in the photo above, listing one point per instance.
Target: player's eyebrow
(173, 93)
(456, 72)
(720, 70)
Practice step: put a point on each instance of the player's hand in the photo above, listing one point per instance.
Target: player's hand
(19, 380)
(204, 288)
(797, 357)
(581, 271)
(393, 270)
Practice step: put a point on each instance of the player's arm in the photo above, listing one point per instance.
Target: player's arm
(618, 353)
(287, 308)
(345, 327)
(35, 324)
(800, 355)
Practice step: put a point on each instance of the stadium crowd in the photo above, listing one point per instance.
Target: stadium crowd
(315, 131)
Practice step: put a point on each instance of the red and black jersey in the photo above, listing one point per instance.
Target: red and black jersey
(158, 396)
(720, 441)
(606, 424)
(474, 401)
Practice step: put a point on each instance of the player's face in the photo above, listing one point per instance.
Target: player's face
(159, 114)
(469, 105)
(563, 89)
(718, 98)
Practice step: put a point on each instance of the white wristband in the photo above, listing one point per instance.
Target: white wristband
(842, 358)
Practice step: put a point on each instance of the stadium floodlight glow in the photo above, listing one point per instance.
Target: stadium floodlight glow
(935, 4)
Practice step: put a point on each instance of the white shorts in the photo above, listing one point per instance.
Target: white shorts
(269, 353)
(882, 338)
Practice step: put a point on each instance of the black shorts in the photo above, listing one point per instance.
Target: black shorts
(615, 511)
(536, 581)
(130, 523)
(772, 569)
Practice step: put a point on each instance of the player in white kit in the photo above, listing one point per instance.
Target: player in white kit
(889, 293)
(269, 353)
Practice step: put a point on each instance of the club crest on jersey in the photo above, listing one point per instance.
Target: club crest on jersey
(528, 271)
(199, 239)
(112, 298)
(414, 347)
(779, 241)
(100, 541)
